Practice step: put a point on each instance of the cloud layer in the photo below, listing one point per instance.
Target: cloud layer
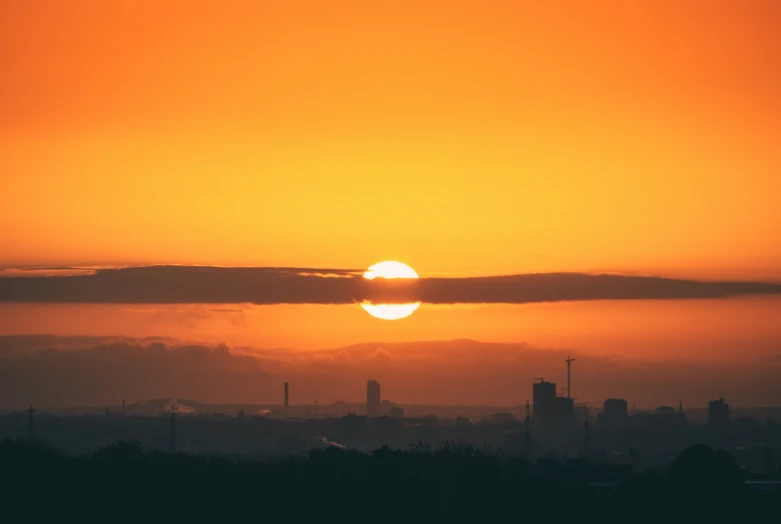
(221, 285)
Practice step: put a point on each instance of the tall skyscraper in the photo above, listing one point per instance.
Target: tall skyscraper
(614, 413)
(373, 400)
(543, 400)
(615, 409)
(286, 396)
(718, 413)
(563, 411)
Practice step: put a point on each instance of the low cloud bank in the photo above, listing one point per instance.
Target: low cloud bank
(220, 285)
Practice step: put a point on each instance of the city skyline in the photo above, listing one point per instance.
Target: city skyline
(445, 197)
(501, 376)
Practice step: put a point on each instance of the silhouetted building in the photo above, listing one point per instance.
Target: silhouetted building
(663, 418)
(373, 398)
(614, 413)
(552, 414)
(745, 424)
(615, 408)
(718, 413)
(543, 401)
(287, 391)
(666, 417)
(563, 411)
(385, 407)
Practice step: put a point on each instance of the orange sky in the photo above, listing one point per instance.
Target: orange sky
(461, 137)
(458, 137)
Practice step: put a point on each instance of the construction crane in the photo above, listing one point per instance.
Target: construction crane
(569, 384)
(632, 411)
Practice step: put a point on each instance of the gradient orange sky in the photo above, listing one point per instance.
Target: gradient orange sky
(459, 137)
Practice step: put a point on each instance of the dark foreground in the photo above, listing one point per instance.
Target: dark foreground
(123, 483)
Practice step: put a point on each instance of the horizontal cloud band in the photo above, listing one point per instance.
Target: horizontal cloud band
(220, 285)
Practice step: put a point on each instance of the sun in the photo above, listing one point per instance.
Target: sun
(390, 269)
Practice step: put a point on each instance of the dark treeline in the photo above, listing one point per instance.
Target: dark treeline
(125, 483)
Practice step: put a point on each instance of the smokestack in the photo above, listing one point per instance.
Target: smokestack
(123, 407)
(287, 389)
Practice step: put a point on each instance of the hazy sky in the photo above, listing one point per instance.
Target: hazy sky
(83, 371)
(465, 138)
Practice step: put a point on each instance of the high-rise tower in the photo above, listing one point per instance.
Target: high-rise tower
(543, 400)
(373, 398)
(718, 413)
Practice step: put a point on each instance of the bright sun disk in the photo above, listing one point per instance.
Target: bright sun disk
(390, 269)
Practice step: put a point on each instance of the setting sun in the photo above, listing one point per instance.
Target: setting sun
(390, 269)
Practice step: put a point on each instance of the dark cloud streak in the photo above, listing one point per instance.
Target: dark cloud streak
(222, 285)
